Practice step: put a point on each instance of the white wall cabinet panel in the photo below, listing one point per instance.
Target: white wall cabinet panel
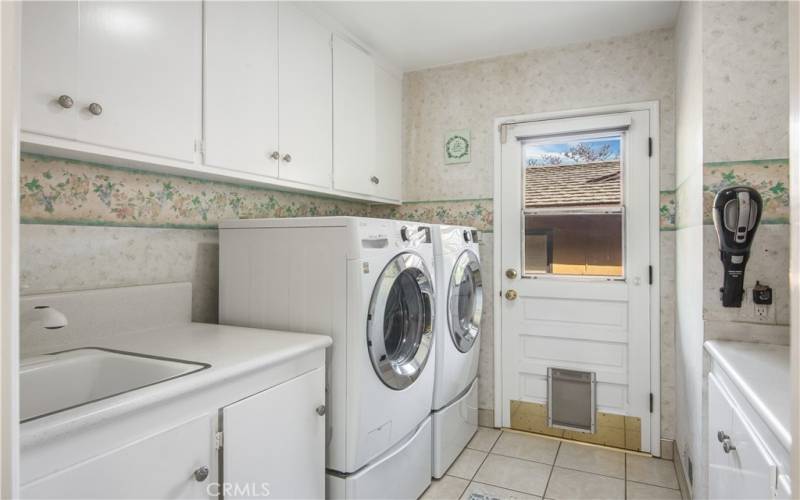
(141, 62)
(353, 118)
(305, 98)
(158, 466)
(240, 119)
(388, 132)
(276, 439)
(49, 49)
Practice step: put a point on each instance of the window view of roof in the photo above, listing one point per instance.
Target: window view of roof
(583, 173)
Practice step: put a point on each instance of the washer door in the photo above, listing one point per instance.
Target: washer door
(400, 321)
(465, 301)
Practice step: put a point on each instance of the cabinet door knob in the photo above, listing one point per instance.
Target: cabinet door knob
(65, 101)
(201, 474)
(321, 410)
(275, 155)
(727, 445)
(375, 180)
(95, 109)
(721, 436)
(287, 158)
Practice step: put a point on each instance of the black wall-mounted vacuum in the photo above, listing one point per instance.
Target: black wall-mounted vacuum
(737, 212)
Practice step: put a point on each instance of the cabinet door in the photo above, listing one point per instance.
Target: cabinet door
(745, 471)
(388, 131)
(305, 98)
(141, 62)
(49, 70)
(353, 118)
(241, 86)
(158, 466)
(275, 440)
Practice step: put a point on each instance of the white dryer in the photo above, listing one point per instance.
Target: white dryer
(369, 284)
(460, 299)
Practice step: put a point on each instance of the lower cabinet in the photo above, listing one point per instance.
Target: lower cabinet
(740, 467)
(174, 463)
(270, 444)
(274, 441)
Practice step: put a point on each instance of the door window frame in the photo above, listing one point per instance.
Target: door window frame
(500, 131)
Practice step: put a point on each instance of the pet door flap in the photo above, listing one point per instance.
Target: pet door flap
(571, 399)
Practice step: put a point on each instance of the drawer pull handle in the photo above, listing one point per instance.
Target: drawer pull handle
(727, 445)
(95, 109)
(65, 101)
(201, 474)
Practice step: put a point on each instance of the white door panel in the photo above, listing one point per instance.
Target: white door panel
(141, 61)
(49, 47)
(584, 320)
(388, 131)
(241, 86)
(275, 440)
(353, 118)
(306, 134)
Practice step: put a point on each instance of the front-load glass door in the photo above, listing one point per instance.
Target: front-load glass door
(400, 322)
(465, 301)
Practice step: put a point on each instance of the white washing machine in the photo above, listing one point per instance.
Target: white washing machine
(369, 284)
(460, 298)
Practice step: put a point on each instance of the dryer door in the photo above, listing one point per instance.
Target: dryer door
(465, 301)
(400, 321)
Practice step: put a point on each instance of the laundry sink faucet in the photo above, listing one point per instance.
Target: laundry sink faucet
(48, 317)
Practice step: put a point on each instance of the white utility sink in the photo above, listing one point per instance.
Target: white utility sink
(59, 381)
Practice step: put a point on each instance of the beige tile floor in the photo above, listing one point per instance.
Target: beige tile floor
(515, 465)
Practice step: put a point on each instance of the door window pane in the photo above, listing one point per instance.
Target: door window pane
(573, 206)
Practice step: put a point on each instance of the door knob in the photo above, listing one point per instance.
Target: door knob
(95, 109)
(275, 155)
(511, 295)
(511, 273)
(201, 474)
(287, 158)
(65, 101)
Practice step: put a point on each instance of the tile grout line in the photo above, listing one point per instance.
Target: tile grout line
(552, 468)
(626, 476)
(654, 485)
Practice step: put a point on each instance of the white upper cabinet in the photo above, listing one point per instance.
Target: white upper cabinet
(388, 134)
(49, 49)
(241, 86)
(140, 62)
(131, 72)
(305, 98)
(353, 119)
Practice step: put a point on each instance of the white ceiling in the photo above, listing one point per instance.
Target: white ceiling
(416, 35)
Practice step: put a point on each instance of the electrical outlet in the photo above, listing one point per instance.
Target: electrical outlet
(750, 312)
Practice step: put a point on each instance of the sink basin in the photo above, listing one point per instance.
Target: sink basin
(63, 380)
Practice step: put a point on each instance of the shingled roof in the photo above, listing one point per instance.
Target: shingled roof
(588, 184)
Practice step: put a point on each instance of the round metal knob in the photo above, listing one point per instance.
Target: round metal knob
(727, 445)
(287, 158)
(95, 109)
(721, 436)
(511, 295)
(65, 101)
(201, 474)
(375, 180)
(511, 273)
(321, 410)
(275, 155)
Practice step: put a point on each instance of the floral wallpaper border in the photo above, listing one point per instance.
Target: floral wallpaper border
(61, 191)
(769, 177)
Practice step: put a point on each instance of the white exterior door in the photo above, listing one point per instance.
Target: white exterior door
(575, 259)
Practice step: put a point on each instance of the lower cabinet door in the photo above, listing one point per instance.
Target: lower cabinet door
(739, 465)
(274, 441)
(169, 464)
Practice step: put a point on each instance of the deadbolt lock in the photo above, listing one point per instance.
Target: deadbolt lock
(511, 273)
(511, 295)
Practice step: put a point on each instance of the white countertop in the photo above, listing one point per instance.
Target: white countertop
(231, 351)
(761, 372)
